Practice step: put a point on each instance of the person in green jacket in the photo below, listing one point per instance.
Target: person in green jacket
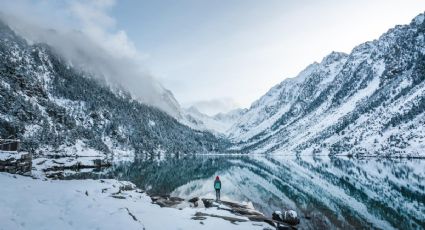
(217, 187)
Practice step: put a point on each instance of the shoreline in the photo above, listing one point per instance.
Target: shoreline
(112, 203)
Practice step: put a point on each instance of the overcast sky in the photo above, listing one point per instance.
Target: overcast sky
(227, 50)
(235, 50)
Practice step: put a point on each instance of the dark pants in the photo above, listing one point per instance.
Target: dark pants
(217, 194)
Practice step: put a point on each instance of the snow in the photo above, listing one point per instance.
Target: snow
(351, 104)
(89, 204)
(291, 213)
(265, 111)
(30, 130)
(282, 97)
(217, 124)
(6, 155)
(151, 123)
(120, 152)
(5, 84)
(80, 149)
(419, 19)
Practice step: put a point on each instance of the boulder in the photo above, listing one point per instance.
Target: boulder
(166, 201)
(289, 217)
(208, 203)
(277, 215)
(194, 199)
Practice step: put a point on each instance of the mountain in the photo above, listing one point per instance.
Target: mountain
(368, 102)
(58, 109)
(217, 124)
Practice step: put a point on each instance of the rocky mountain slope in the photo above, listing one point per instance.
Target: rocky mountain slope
(56, 108)
(370, 101)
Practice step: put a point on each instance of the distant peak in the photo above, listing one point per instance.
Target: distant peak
(418, 20)
(333, 57)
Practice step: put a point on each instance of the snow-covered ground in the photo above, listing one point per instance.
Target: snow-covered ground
(6, 155)
(27, 203)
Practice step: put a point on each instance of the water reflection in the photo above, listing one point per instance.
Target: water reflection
(334, 192)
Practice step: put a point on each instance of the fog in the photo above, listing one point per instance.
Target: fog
(214, 106)
(91, 46)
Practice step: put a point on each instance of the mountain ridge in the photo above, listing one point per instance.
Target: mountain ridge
(338, 106)
(55, 109)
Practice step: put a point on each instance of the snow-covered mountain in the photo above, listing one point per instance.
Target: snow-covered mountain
(217, 124)
(58, 109)
(370, 101)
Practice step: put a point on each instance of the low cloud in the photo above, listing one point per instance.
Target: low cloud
(85, 34)
(214, 106)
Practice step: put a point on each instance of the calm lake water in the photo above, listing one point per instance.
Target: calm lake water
(327, 192)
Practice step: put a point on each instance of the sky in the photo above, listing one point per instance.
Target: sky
(223, 54)
(236, 50)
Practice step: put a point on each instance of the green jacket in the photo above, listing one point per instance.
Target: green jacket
(217, 184)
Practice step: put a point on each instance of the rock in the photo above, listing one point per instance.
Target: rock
(228, 218)
(16, 162)
(176, 199)
(194, 199)
(55, 175)
(283, 227)
(166, 201)
(118, 197)
(208, 203)
(99, 163)
(198, 218)
(289, 216)
(127, 187)
(277, 215)
(200, 204)
(261, 218)
(308, 217)
(138, 190)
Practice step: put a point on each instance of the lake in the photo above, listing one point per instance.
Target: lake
(327, 192)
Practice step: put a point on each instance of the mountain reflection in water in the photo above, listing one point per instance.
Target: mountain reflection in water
(327, 192)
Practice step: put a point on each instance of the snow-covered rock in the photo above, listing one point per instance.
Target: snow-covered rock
(15, 162)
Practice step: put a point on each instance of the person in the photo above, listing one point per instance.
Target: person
(217, 187)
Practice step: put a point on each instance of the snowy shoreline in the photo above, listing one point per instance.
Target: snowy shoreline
(28, 203)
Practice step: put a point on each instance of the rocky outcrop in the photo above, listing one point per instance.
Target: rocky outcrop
(289, 216)
(208, 203)
(15, 162)
(246, 212)
(166, 201)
